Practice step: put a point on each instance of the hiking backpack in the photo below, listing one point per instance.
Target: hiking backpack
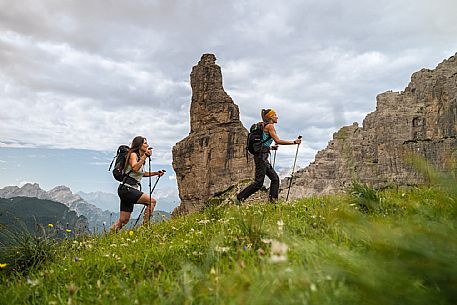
(255, 142)
(119, 163)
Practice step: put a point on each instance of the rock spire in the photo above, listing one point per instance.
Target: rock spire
(212, 157)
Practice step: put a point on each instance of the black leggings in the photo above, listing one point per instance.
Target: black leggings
(262, 168)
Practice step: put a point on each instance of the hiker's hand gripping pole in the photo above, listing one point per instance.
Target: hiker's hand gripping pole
(293, 169)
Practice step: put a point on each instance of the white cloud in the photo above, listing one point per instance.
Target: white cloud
(94, 75)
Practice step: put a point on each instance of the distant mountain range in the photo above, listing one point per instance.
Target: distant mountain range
(97, 217)
(167, 200)
(34, 215)
(104, 201)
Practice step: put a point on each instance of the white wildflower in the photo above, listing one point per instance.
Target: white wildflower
(32, 283)
(313, 287)
(280, 225)
(266, 241)
(221, 249)
(278, 251)
(203, 221)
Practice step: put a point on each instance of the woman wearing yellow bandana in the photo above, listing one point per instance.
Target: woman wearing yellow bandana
(262, 165)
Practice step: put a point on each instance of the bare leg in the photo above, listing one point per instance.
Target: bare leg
(150, 204)
(123, 220)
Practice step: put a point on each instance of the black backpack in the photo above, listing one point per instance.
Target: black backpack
(255, 142)
(119, 163)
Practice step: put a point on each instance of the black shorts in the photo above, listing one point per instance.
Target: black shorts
(129, 196)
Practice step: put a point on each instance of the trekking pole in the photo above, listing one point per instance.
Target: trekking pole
(274, 156)
(150, 195)
(139, 216)
(293, 169)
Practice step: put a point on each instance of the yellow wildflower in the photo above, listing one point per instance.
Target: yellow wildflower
(3, 265)
(131, 233)
(50, 226)
(68, 230)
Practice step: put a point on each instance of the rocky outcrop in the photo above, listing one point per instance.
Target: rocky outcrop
(419, 121)
(212, 157)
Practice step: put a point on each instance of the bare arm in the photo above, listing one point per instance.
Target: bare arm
(150, 174)
(134, 164)
(272, 132)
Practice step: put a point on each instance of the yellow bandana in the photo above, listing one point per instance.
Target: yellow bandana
(270, 114)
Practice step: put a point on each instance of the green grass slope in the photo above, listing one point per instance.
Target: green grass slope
(392, 247)
(28, 214)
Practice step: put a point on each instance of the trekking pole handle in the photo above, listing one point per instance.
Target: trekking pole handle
(299, 138)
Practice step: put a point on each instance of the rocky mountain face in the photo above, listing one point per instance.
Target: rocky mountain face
(64, 195)
(213, 156)
(420, 121)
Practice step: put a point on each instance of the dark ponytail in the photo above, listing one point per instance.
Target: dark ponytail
(135, 147)
(263, 113)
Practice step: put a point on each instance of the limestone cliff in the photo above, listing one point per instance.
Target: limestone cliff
(419, 120)
(212, 157)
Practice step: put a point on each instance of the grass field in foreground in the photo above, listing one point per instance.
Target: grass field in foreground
(368, 247)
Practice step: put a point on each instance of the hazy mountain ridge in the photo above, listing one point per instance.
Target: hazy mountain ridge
(104, 201)
(18, 213)
(97, 218)
(167, 200)
(61, 194)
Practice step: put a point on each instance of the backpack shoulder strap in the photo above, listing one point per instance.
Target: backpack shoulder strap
(269, 137)
(128, 173)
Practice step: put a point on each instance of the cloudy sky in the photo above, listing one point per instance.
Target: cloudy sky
(90, 75)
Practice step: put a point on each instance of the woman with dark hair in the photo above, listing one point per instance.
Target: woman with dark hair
(129, 190)
(262, 166)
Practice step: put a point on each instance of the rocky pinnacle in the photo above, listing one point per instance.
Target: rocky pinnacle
(212, 157)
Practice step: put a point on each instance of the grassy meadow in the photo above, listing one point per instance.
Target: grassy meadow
(366, 247)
